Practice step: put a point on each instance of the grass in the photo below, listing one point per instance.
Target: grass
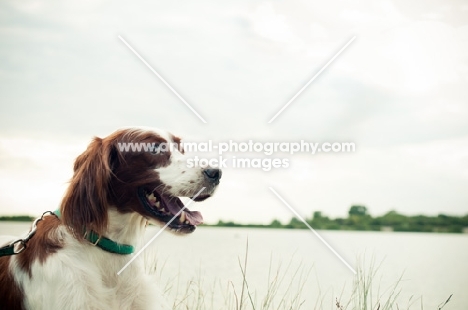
(279, 293)
(285, 289)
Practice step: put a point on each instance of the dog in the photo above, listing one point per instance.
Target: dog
(119, 184)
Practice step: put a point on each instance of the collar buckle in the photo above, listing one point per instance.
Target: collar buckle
(92, 243)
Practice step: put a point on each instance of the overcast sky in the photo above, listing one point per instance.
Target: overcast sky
(399, 92)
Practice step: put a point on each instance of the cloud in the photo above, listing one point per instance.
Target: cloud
(397, 91)
(272, 25)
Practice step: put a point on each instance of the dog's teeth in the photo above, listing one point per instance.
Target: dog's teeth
(158, 205)
(187, 222)
(182, 217)
(151, 198)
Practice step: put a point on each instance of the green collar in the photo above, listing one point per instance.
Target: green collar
(106, 244)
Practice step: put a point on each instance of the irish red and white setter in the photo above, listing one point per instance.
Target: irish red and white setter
(112, 195)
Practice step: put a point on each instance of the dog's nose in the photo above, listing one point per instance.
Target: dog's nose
(213, 175)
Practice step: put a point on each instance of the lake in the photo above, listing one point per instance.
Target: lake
(205, 267)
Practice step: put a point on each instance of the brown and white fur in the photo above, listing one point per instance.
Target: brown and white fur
(114, 193)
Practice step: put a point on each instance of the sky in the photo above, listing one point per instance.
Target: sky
(398, 92)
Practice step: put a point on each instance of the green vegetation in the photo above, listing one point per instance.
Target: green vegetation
(17, 218)
(359, 219)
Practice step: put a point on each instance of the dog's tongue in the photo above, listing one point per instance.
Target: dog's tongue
(174, 205)
(194, 217)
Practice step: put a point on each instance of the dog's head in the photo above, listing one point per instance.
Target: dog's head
(135, 170)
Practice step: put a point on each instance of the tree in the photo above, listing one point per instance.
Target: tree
(276, 224)
(357, 210)
(295, 223)
(317, 215)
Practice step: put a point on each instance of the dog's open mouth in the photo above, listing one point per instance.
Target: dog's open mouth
(165, 207)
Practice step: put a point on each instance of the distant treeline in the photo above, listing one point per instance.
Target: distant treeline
(359, 219)
(17, 218)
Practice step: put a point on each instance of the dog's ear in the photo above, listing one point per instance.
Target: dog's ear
(84, 206)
